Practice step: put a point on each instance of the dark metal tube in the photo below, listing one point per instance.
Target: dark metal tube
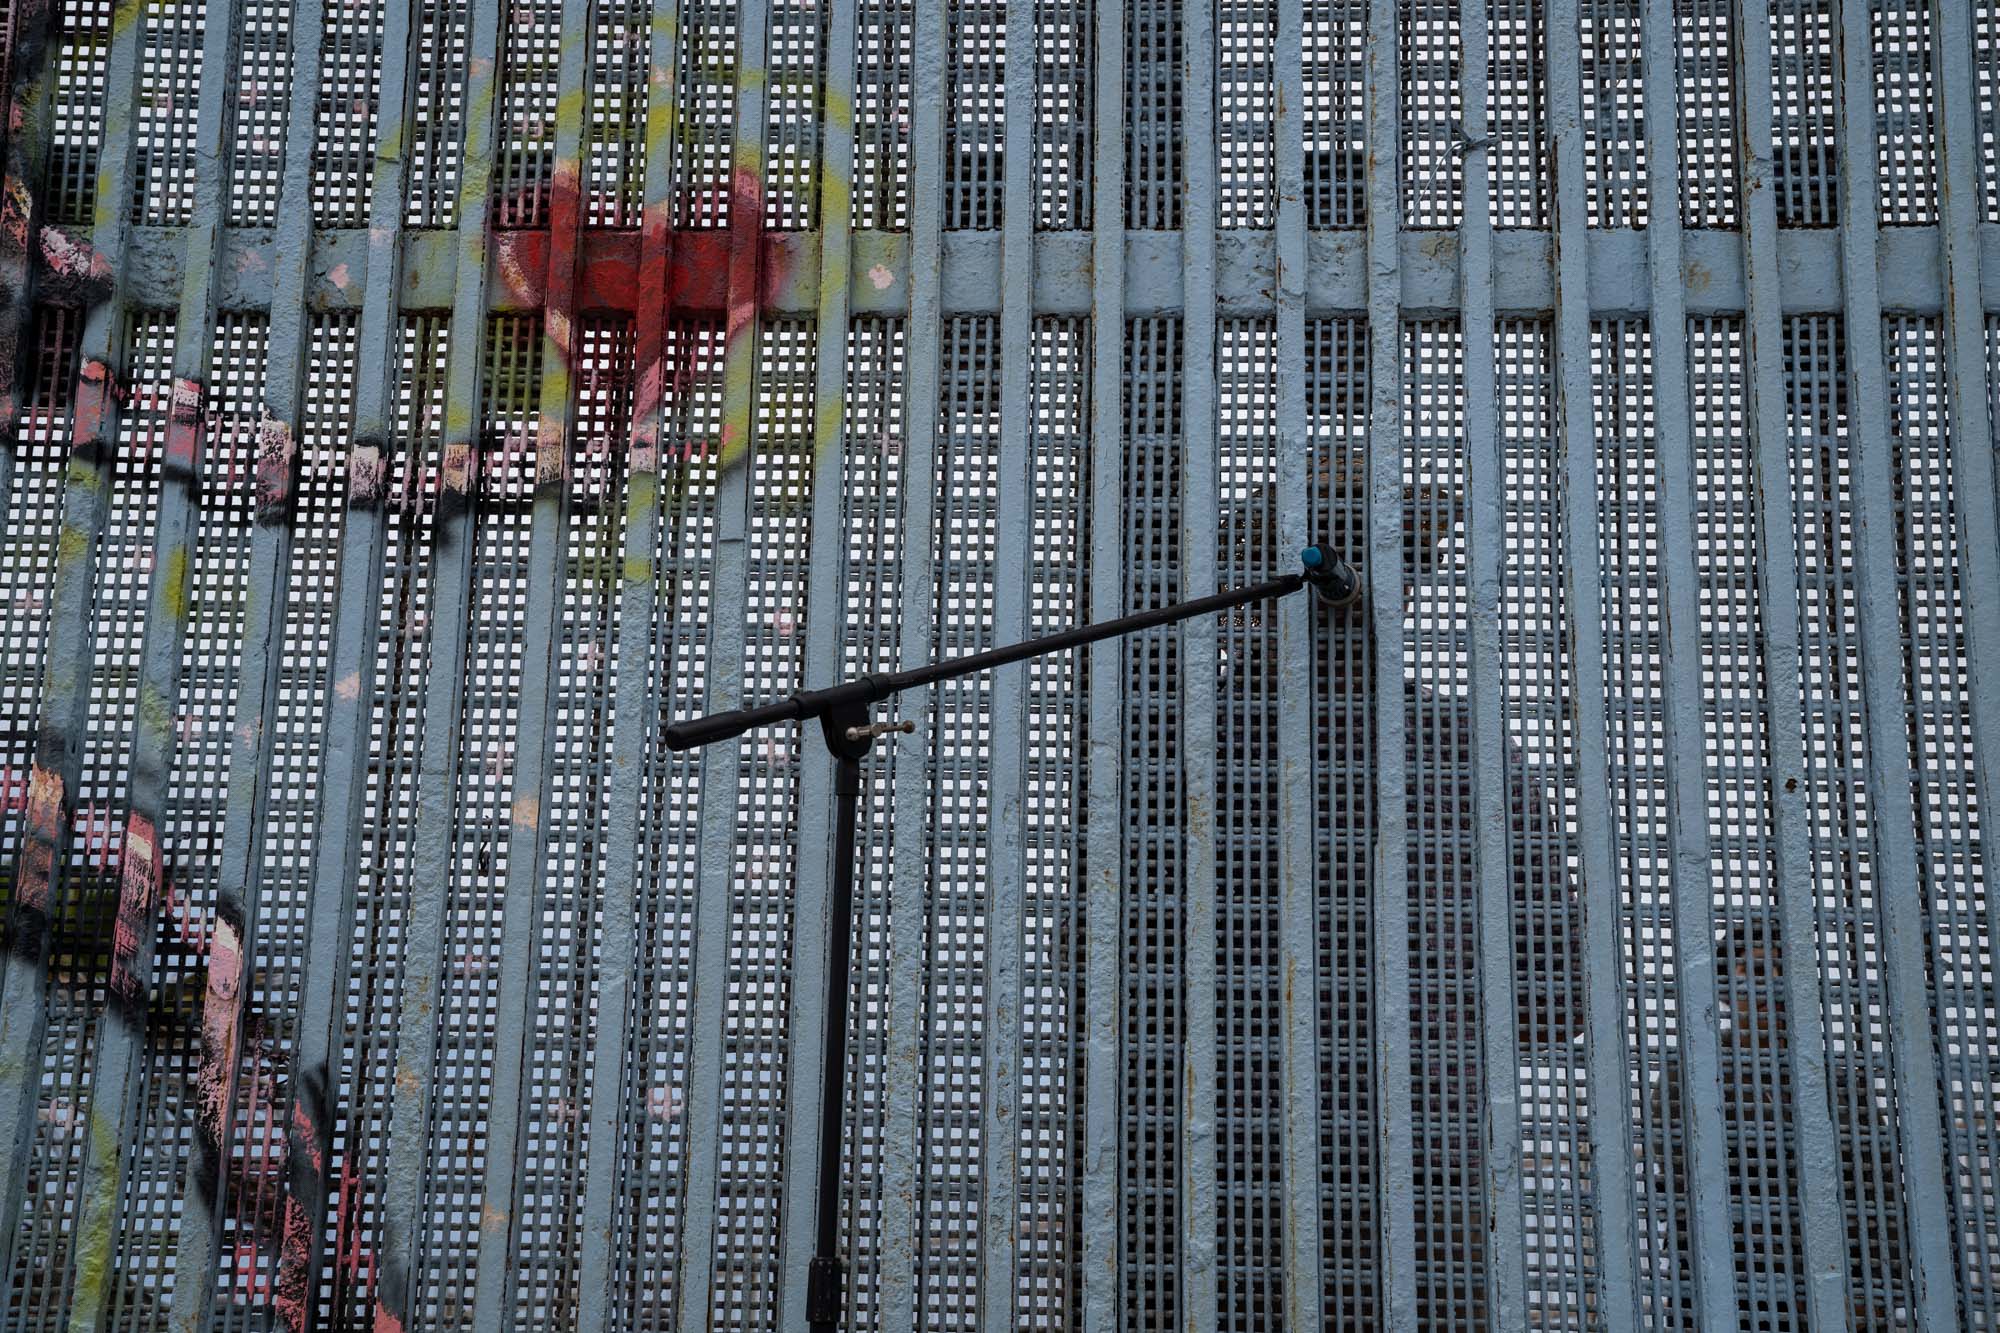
(873, 689)
(826, 1285)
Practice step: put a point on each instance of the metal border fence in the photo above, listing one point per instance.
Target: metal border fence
(408, 407)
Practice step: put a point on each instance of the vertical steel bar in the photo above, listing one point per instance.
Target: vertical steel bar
(1825, 1240)
(234, 943)
(632, 723)
(1506, 1274)
(1888, 769)
(1007, 799)
(1972, 464)
(1384, 567)
(825, 615)
(1103, 684)
(536, 725)
(1198, 654)
(120, 1060)
(66, 676)
(1604, 1012)
(342, 802)
(451, 607)
(909, 869)
(708, 1006)
(26, 132)
(1687, 771)
(1298, 652)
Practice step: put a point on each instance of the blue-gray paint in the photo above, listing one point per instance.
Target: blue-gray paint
(1910, 267)
(1103, 759)
(1696, 1015)
(1298, 925)
(399, 1281)
(909, 864)
(342, 806)
(1383, 563)
(254, 735)
(533, 799)
(1484, 476)
(825, 595)
(1007, 781)
(71, 643)
(1199, 343)
(1604, 1009)
(634, 702)
(1825, 1236)
(185, 472)
(1904, 947)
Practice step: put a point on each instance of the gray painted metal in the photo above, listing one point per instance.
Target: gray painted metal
(188, 471)
(1199, 341)
(1231, 103)
(440, 780)
(246, 819)
(1825, 1242)
(1888, 762)
(1298, 946)
(1390, 884)
(1910, 266)
(1687, 819)
(1007, 777)
(808, 1015)
(1104, 709)
(533, 802)
(1604, 1021)
(1484, 471)
(38, 878)
(908, 907)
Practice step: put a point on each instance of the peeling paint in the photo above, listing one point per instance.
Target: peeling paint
(275, 456)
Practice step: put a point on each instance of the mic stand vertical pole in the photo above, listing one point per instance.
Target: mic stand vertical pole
(848, 736)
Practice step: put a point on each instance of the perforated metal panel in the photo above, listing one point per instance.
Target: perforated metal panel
(408, 408)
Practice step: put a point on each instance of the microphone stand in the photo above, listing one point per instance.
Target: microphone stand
(842, 712)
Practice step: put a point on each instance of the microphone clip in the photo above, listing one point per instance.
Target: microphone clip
(1334, 582)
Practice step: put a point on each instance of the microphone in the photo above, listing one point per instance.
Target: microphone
(1334, 582)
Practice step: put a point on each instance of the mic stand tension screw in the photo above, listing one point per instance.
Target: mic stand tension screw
(874, 729)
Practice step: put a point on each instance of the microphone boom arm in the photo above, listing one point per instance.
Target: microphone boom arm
(1332, 580)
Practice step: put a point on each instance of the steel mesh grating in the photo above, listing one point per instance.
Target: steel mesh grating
(1343, 831)
(1445, 1058)
(1842, 824)
(257, 139)
(82, 934)
(1756, 1083)
(1948, 812)
(347, 113)
(436, 115)
(1538, 690)
(816, 382)
(169, 66)
(878, 510)
(1246, 876)
(614, 133)
(34, 525)
(1152, 1021)
(71, 182)
(525, 159)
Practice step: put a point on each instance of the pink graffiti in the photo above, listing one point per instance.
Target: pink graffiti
(138, 882)
(275, 453)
